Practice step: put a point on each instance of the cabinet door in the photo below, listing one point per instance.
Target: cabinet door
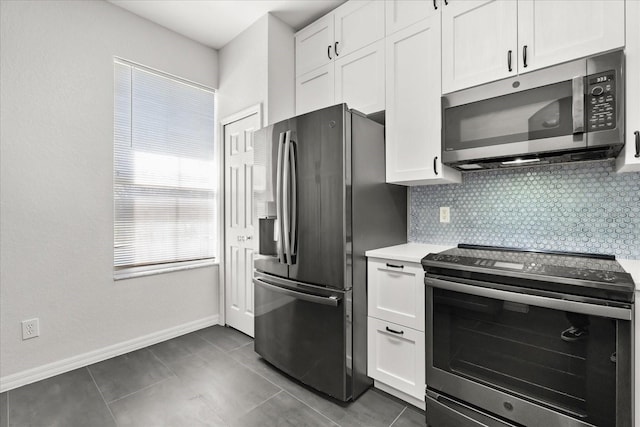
(314, 45)
(315, 89)
(413, 149)
(396, 356)
(629, 159)
(358, 23)
(396, 292)
(359, 78)
(478, 38)
(400, 14)
(553, 32)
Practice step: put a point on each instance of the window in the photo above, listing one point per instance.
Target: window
(165, 174)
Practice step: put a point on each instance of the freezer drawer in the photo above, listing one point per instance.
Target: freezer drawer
(304, 331)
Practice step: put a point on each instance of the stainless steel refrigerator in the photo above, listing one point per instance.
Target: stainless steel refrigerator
(321, 201)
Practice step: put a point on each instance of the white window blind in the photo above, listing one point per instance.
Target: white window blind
(165, 173)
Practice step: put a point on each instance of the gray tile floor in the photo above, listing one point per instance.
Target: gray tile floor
(211, 377)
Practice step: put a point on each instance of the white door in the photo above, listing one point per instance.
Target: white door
(412, 131)
(479, 42)
(315, 89)
(314, 45)
(359, 79)
(239, 226)
(553, 32)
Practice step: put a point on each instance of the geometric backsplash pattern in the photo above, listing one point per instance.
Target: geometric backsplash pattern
(579, 207)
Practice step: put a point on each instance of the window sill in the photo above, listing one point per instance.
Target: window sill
(130, 273)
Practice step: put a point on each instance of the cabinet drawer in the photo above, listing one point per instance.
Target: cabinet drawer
(396, 356)
(396, 292)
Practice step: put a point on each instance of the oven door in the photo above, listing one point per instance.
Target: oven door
(502, 351)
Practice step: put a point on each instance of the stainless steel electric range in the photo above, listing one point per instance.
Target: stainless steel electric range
(527, 338)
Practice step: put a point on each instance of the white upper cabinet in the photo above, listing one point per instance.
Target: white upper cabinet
(479, 42)
(359, 79)
(315, 89)
(552, 32)
(357, 24)
(412, 123)
(314, 45)
(629, 159)
(400, 14)
(340, 58)
(486, 40)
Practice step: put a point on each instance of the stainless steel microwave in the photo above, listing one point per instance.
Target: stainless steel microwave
(569, 112)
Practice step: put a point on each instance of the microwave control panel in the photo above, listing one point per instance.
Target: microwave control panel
(601, 101)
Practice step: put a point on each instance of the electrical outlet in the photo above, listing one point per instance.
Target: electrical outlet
(445, 214)
(30, 328)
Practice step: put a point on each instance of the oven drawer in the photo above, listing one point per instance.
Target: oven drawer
(396, 292)
(444, 412)
(396, 356)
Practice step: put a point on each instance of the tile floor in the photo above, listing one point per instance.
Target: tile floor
(211, 377)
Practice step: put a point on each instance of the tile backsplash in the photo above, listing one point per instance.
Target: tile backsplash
(579, 207)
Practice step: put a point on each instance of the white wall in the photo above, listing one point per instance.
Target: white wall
(257, 67)
(56, 191)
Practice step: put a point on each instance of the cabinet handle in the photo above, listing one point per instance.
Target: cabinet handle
(335, 49)
(435, 5)
(524, 56)
(394, 331)
(509, 61)
(435, 165)
(637, 134)
(394, 266)
(446, 2)
(329, 52)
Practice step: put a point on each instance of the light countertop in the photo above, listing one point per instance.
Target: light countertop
(408, 252)
(414, 252)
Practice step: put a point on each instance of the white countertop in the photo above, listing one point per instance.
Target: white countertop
(414, 252)
(408, 252)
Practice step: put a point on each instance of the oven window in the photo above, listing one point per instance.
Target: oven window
(543, 112)
(562, 360)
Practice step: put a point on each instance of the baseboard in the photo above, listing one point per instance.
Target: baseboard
(49, 370)
(400, 395)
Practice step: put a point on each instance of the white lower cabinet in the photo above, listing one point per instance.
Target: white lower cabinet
(396, 356)
(396, 323)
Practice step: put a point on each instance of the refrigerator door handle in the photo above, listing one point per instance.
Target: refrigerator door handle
(294, 202)
(279, 223)
(286, 217)
(332, 300)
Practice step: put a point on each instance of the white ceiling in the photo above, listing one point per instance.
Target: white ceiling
(216, 22)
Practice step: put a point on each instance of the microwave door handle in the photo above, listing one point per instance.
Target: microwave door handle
(279, 195)
(577, 107)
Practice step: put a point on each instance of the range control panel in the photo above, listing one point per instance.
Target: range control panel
(601, 101)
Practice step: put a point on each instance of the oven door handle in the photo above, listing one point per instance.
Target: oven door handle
(546, 302)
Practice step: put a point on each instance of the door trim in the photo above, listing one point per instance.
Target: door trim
(249, 111)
